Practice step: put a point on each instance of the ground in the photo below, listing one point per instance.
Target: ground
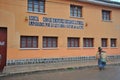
(110, 73)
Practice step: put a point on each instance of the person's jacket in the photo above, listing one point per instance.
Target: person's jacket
(101, 56)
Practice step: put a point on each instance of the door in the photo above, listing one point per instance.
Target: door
(3, 47)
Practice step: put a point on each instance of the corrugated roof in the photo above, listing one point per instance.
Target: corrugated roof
(103, 2)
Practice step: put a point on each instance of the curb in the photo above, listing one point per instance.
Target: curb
(49, 70)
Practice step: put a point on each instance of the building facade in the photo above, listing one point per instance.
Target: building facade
(58, 28)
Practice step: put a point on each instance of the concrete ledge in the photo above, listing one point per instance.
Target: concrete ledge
(49, 60)
(55, 60)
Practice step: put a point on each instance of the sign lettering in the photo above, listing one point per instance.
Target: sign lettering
(55, 22)
(2, 43)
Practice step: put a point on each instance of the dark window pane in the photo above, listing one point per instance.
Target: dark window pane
(49, 42)
(106, 15)
(29, 42)
(104, 42)
(73, 42)
(113, 42)
(88, 42)
(36, 6)
(75, 11)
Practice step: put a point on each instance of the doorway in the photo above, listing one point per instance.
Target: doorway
(3, 47)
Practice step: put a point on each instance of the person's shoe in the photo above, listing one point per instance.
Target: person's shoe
(100, 68)
(103, 68)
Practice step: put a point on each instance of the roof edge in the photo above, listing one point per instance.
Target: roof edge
(108, 3)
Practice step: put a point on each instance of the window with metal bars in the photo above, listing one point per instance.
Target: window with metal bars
(28, 42)
(106, 15)
(36, 6)
(113, 42)
(104, 42)
(88, 42)
(75, 11)
(50, 42)
(73, 42)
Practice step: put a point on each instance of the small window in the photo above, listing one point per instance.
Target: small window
(88, 42)
(36, 6)
(73, 42)
(75, 11)
(50, 42)
(28, 42)
(106, 15)
(104, 42)
(113, 42)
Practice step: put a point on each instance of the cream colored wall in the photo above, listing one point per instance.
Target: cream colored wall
(13, 13)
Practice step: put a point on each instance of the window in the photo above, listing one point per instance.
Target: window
(75, 11)
(113, 42)
(73, 42)
(88, 42)
(50, 42)
(36, 6)
(106, 15)
(104, 42)
(28, 42)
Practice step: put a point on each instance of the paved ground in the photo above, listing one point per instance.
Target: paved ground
(30, 68)
(110, 73)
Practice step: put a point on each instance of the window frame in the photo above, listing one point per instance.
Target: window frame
(50, 42)
(113, 41)
(27, 43)
(88, 42)
(76, 13)
(73, 42)
(106, 15)
(104, 42)
(32, 6)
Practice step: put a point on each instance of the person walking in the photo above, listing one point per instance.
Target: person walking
(102, 58)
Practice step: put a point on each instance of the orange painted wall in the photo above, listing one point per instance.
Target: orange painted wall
(14, 12)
